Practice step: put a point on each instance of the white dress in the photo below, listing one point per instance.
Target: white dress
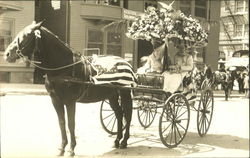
(173, 80)
(154, 62)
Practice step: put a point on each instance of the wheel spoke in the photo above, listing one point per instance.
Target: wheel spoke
(181, 126)
(179, 104)
(146, 117)
(166, 128)
(205, 125)
(200, 121)
(152, 115)
(175, 138)
(108, 116)
(178, 131)
(180, 110)
(181, 114)
(208, 103)
(171, 133)
(111, 120)
(141, 113)
(113, 125)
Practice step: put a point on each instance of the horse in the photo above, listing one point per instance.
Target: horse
(225, 80)
(46, 51)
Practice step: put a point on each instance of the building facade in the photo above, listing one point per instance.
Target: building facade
(98, 27)
(234, 26)
(14, 16)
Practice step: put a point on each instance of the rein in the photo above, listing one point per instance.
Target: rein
(34, 63)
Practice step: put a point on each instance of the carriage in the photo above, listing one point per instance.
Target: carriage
(174, 110)
(168, 25)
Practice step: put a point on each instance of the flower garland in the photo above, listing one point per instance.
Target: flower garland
(168, 23)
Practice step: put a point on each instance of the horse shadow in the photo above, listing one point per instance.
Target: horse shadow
(152, 146)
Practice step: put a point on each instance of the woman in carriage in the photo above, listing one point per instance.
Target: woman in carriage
(176, 73)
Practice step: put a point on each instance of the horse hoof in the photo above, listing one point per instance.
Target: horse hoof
(123, 146)
(116, 144)
(71, 153)
(61, 152)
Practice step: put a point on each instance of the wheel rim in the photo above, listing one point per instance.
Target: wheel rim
(205, 112)
(146, 112)
(174, 121)
(108, 119)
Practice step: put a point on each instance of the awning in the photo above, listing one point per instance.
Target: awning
(243, 62)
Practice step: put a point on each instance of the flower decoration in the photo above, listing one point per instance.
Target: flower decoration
(166, 22)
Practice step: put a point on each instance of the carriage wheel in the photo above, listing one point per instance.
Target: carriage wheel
(205, 111)
(174, 120)
(204, 84)
(108, 119)
(146, 112)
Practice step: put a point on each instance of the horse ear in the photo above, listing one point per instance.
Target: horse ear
(38, 25)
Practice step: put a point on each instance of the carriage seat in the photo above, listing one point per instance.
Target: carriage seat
(151, 80)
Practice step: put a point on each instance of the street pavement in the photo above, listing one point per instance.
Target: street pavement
(29, 129)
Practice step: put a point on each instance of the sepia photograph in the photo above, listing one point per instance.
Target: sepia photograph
(124, 78)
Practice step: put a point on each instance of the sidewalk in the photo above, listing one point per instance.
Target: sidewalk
(39, 89)
(18, 88)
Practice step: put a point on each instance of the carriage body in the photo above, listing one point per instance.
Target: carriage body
(151, 100)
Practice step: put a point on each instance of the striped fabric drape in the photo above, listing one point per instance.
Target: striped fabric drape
(113, 70)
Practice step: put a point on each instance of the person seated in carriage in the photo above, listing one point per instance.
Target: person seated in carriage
(176, 72)
(178, 77)
(155, 61)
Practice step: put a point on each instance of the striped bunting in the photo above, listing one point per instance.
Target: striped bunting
(113, 70)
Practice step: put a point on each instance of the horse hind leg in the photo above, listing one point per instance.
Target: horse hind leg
(71, 125)
(59, 107)
(118, 114)
(126, 103)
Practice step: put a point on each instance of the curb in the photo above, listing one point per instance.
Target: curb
(39, 89)
(20, 92)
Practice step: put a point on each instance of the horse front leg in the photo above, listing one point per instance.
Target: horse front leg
(59, 107)
(118, 114)
(71, 125)
(127, 105)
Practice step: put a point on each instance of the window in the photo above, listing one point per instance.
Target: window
(238, 30)
(201, 8)
(108, 42)
(239, 6)
(246, 31)
(185, 7)
(229, 5)
(95, 40)
(114, 43)
(246, 6)
(229, 28)
(6, 30)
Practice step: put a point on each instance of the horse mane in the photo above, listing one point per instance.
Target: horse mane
(57, 39)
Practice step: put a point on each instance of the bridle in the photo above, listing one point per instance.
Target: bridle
(35, 63)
